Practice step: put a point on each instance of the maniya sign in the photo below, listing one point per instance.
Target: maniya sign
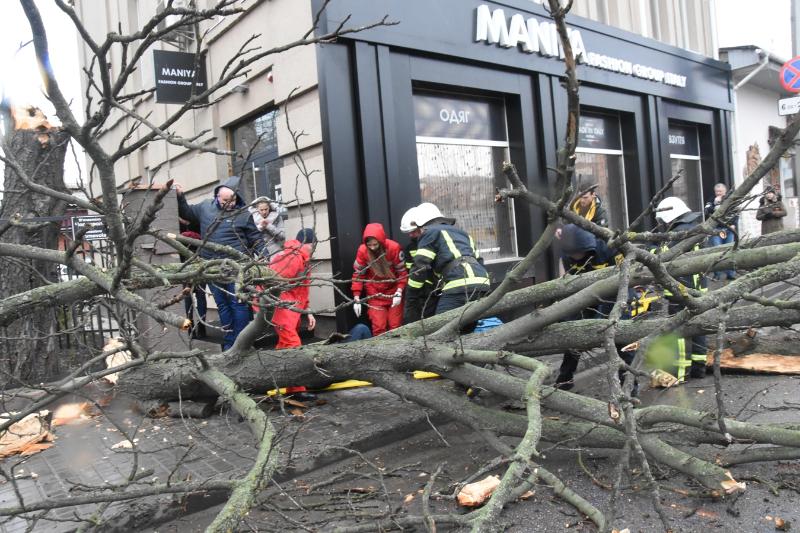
(541, 37)
(179, 76)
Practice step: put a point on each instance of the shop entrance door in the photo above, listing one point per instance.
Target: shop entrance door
(599, 157)
(685, 159)
(462, 143)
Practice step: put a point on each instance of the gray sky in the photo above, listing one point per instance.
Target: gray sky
(764, 23)
(21, 82)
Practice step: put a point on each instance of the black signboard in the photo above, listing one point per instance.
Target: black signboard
(682, 140)
(176, 77)
(459, 118)
(96, 222)
(599, 132)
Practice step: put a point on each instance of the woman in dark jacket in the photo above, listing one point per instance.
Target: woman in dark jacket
(771, 212)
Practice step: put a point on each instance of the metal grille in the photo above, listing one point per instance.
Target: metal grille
(89, 324)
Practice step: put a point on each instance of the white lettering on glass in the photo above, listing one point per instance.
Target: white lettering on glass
(451, 116)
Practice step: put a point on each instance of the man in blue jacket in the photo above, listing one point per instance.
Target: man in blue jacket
(224, 220)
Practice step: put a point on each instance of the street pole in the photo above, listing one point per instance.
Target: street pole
(795, 52)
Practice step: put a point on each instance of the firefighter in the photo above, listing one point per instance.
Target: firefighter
(423, 305)
(449, 252)
(675, 215)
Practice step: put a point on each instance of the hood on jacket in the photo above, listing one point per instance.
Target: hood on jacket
(274, 207)
(232, 182)
(763, 200)
(293, 245)
(691, 218)
(575, 240)
(376, 231)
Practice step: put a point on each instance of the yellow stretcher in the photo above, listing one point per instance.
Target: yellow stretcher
(354, 383)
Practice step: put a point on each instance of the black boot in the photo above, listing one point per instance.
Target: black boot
(566, 374)
(697, 370)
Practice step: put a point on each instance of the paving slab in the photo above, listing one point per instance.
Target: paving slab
(83, 456)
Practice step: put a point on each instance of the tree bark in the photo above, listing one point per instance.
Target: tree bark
(29, 345)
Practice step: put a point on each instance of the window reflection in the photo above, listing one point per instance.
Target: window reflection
(606, 169)
(461, 180)
(688, 187)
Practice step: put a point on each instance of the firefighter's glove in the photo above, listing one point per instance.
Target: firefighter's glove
(397, 299)
(357, 306)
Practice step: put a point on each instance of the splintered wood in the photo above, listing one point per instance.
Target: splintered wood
(28, 436)
(758, 362)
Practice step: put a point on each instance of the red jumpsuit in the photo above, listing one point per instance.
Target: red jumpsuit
(291, 263)
(380, 289)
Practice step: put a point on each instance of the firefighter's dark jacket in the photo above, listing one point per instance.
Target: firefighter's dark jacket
(450, 253)
(686, 222)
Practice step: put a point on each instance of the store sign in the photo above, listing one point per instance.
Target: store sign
(95, 222)
(599, 132)
(177, 79)
(789, 106)
(459, 118)
(683, 140)
(541, 37)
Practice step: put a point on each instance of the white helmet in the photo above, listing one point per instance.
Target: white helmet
(671, 208)
(409, 223)
(426, 212)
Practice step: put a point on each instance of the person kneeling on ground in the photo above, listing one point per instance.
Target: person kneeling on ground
(292, 264)
(379, 266)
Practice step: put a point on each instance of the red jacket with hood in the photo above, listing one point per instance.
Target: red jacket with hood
(380, 288)
(292, 263)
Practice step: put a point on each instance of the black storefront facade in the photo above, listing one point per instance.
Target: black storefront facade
(428, 110)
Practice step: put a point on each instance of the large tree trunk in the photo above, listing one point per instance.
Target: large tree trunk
(28, 344)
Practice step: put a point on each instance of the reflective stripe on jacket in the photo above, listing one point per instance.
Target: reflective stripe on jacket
(381, 288)
(450, 253)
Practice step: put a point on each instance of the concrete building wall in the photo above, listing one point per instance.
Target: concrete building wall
(268, 85)
(683, 23)
(756, 111)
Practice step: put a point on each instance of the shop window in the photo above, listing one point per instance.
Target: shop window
(183, 38)
(684, 154)
(256, 159)
(462, 143)
(599, 157)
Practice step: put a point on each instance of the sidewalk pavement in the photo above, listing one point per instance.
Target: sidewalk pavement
(220, 447)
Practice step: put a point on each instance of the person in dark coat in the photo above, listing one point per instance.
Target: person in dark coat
(581, 252)
(771, 212)
(725, 229)
(223, 219)
(588, 204)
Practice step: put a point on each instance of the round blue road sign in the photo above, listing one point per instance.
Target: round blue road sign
(790, 75)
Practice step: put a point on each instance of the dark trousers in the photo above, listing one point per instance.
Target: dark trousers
(456, 298)
(233, 314)
(420, 305)
(569, 364)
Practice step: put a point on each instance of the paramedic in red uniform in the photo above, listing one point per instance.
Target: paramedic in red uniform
(380, 269)
(291, 263)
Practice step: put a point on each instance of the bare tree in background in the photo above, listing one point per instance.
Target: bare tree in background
(646, 436)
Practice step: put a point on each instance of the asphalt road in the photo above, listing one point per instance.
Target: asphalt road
(390, 480)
